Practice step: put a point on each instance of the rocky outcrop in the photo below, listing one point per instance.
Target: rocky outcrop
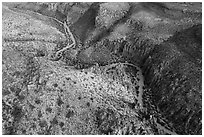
(173, 72)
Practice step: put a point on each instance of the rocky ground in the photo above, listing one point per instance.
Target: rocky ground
(101, 68)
